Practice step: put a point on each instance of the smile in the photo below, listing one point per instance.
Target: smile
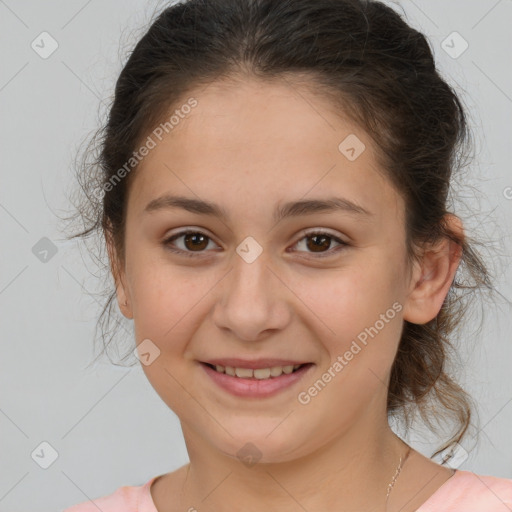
(256, 382)
(257, 373)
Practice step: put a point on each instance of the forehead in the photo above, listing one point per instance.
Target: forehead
(262, 142)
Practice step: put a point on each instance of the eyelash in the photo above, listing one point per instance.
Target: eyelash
(167, 243)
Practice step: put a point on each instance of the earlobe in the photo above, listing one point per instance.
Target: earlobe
(433, 277)
(122, 294)
(123, 302)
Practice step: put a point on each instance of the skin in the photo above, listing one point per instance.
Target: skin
(250, 146)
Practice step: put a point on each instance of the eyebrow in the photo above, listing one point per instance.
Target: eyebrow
(290, 209)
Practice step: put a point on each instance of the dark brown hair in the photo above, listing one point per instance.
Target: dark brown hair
(376, 69)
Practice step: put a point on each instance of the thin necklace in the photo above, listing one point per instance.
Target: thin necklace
(397, 472)
(390, 486)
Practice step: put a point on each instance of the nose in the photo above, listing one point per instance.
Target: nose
(252, 302)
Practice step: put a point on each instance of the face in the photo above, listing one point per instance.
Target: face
(319, 286)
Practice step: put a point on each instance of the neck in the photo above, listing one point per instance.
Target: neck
(350, 472)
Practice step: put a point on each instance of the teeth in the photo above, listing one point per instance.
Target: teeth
(243, 373)
(275, 371)
(259, 373)
(262, 374)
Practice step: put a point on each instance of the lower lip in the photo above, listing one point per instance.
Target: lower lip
(256, 388)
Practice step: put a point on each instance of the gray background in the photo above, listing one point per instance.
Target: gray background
(106, 423)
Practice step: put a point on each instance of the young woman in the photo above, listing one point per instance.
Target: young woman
(274, 181)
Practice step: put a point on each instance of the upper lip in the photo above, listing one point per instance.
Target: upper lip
(254, 363)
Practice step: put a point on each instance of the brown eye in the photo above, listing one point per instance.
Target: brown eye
(193, 241)
(320, 242)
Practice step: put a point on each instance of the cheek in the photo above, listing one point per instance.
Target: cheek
(370, 326)
(347, 300)
(157, 284)
(360, 312)
(362, 309)
(167, 308)
(168, 301)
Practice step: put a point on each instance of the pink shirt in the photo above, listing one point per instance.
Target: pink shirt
(463, 492)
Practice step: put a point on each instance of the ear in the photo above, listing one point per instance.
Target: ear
(433, 276)
(122, 291)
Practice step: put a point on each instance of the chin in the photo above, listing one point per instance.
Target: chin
(252, 447)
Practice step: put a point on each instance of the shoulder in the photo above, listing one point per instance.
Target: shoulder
(136, 498)
(469, 492)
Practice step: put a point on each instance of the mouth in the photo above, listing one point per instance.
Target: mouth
(256, 378)
(260, 373)
(260, 381)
